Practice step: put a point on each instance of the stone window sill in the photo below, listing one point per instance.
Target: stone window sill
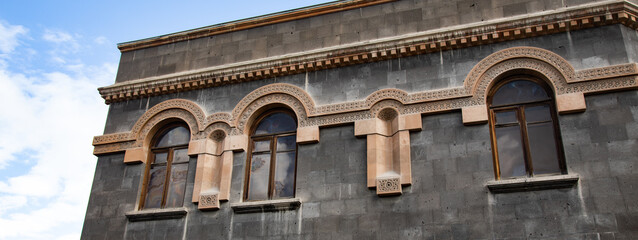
(156, 214)
(532, 184)
(266, 206)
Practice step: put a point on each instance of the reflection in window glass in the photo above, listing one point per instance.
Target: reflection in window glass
(520, 91)
(155, 188)
(543, 148)
(285, 175)
(272, 163)
(286, 143)
(526, 139)
(538, 114)
(259, 175)
(276, 123)
(510, 152)
(177, 185)
(503, 117)
(261, 146)
(180, 155)
(176, 136)
(166, 174)
(161, 157)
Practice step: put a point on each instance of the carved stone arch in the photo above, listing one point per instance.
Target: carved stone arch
(208, 132)
(299, 94)
(377, 108)
(552, 59)
(219, 117)
(187, 107)
(385, 94)
(527, 66)
(243, 120)
(157, 121)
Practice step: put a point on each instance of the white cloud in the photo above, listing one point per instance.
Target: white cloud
(9, 36)
(52, 116)
(101, 40)
(57, 36)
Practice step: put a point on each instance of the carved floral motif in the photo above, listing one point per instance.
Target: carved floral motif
(561, 76)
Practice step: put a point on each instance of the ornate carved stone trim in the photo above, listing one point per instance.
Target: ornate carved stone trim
(388, 186)
(543, 63)
(505, 29)
(208, 202)
(245, 113)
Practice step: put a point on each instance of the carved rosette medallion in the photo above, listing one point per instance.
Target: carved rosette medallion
(208, 201)
(388, 186)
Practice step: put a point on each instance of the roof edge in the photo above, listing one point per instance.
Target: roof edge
(247, 23)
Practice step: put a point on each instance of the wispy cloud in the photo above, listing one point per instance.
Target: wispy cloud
(50, 118)
(9, 36)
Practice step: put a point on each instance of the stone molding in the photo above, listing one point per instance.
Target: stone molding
(505, 29)
(567, 83)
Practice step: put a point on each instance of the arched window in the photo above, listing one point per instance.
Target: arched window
(524, 130)
(272, 157)
(166, 171)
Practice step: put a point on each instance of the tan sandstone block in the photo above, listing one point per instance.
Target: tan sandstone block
(474, 114)
(308, 135)
(135, 155)
(571, 103)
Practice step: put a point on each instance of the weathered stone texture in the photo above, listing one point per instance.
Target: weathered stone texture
(384, 20)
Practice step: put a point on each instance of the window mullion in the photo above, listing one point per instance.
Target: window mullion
(497, 165)
(525, 136)
(271, 177)
(169, 163)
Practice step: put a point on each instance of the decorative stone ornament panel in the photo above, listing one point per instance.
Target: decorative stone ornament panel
(208, 202)
(388, 186)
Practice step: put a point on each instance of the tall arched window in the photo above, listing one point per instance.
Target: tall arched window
(166, 171)
(524, 129)
(272, 158)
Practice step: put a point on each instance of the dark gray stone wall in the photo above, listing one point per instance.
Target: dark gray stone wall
(589, 48)
(447, 200)
(384, 20)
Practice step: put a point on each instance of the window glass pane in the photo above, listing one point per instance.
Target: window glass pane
(160, 157)
(180, 155)
(177, 185)
(510, 152)
(261, 146)
(155, 187)
(174, 137)
(537, 113)
(285, 175)
(503, 117)
(286, 143)
(543, 148)
(519, 91)
(276, 123)
(259, 177)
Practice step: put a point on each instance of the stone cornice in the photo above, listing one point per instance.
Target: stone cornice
(504, 29)
(248, 23)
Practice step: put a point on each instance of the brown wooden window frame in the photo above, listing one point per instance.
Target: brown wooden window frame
(273, 152)
(521, 121)
(153, 151)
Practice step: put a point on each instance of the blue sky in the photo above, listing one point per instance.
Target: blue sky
(53, 57)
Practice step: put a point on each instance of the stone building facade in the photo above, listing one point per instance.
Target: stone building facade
(377, 119)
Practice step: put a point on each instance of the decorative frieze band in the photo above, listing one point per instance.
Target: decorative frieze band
(568, 85)
(568, 19)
